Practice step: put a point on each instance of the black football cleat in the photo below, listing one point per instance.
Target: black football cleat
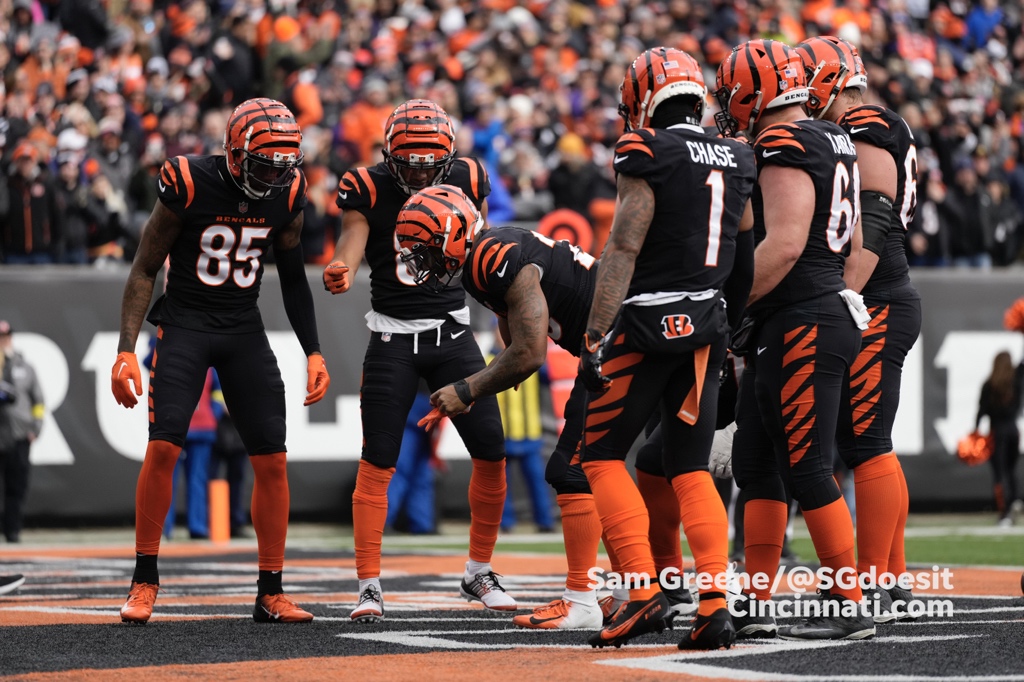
(831, 625)
(632, 620)
(750, 620)
(710, 632)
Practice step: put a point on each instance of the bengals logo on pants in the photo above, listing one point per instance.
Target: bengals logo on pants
(676, 326)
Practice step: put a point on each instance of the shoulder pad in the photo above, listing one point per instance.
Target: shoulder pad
(297, 192)
(635, 154)
(174, 184)
(471, 176)
(494, 263)
(871, 124)
(357, 190)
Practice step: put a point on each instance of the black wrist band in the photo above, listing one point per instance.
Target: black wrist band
(462, 390)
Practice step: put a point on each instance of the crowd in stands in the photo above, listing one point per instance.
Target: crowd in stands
(96, 93)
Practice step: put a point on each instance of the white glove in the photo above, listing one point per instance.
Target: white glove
(855, 302)
(720, 462)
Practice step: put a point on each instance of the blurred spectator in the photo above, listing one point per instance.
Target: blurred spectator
(524, 442)
(363, 123)
(230, 450)
(576, 180)
(1000, 401)
(300, 92)
(1004, 219)
(195, 462)
(84, 211)
(31, 217)
(970, 239)
(21, 418)
(411, 490)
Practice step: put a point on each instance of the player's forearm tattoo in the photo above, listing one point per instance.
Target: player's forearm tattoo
(632, 220)
(528, 327)
(158, 235)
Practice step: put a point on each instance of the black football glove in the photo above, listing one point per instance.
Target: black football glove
(590, 362)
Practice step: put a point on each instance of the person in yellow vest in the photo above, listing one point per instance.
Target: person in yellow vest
(524, 441)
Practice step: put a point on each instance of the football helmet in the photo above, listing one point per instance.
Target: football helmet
(435, 232)
(830, 65)
(757, 76)
(262, 146)
(419, 145)
(653, 77)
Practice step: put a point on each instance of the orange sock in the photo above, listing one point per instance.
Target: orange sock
(153, 494)
(663, 512)
(581, 530)
(486, 503)
(831, 530)
(706, 524)
(879, 497)
(764, 529)
(270, 502)
(625, 522)
(369, 513)
(613, 558)
(897, 559)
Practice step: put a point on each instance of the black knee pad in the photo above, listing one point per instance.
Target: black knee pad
(816, 495)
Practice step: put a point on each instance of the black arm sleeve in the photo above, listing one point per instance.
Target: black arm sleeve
(876, 216)
(298, 299)
(737, 287)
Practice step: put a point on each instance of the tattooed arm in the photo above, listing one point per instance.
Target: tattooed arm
(160, 232)
(633, 214)
(528, 327)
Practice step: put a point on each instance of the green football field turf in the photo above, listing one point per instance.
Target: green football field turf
(935, 539)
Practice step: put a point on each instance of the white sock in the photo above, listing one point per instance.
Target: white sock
(363, 584)
(621, 594)
(586, 597)
(476, 568)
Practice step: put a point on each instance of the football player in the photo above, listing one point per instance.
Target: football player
(887, 159)
(656, 334)
(417, 331)
(216, 218)
(806, 338)
(550, 299)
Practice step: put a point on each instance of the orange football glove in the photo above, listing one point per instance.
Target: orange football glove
(1013, 320)
(318, 380)
(336, 278)
(432, 419)
(126, 368)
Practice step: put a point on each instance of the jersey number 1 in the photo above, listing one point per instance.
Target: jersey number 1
(217, 242)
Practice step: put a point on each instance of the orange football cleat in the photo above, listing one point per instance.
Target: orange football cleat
(278, 608)
(562, 615)
(139, 605)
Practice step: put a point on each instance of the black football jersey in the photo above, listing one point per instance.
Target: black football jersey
(568, 275)
(701, 185)
(216, 263)
(886, 130)
(825, 152)
(373, 192)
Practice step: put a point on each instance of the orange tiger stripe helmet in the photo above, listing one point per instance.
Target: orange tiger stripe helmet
(653, 77)
(757, 76)
(831, 65)
(419, 145)
(262, 145)
(435, 231)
